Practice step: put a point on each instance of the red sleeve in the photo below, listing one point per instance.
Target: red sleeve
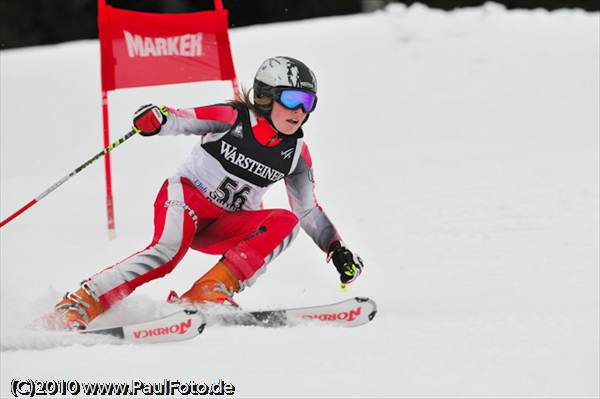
(217, 113)
(200, 120)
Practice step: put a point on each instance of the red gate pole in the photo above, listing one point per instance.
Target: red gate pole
(107, 83)
(110, 210)
(234, 81)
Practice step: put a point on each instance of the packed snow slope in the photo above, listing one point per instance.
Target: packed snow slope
(457, 152)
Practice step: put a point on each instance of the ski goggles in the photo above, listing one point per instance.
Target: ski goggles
(294, 98)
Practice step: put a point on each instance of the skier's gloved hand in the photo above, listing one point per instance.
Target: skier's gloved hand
(348, 265)
(149, 118)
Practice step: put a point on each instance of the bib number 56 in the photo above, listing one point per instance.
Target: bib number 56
(228, 195)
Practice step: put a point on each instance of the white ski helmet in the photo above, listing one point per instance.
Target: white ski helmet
(283, 72)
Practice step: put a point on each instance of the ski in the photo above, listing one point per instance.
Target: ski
(189, 323)
(179, 326)
(348, 313)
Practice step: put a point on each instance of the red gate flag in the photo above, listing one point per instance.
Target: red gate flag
(147, 49)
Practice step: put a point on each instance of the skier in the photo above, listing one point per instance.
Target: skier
(213, 202)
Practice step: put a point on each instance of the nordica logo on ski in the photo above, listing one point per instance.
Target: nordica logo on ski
(188, 45)
(179, 328)
(340, 316)
(230, 153)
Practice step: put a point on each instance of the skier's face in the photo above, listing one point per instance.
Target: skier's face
(287, 121)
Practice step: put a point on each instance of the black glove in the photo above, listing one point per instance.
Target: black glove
(348, 265)
(148, 119)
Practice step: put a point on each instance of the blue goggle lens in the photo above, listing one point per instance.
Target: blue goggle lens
(293, 99)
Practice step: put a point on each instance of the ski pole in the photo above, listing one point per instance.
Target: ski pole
(67, 177)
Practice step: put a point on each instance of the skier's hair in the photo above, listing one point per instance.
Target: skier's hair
(260, 105)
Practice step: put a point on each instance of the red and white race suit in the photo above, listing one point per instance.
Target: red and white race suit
(213, 202)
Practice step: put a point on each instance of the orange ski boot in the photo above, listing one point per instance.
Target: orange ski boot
(77, 309)
(217, 286)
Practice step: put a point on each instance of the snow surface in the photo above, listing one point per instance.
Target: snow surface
(456, 151)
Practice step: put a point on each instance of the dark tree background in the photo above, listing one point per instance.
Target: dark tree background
(34, 22)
